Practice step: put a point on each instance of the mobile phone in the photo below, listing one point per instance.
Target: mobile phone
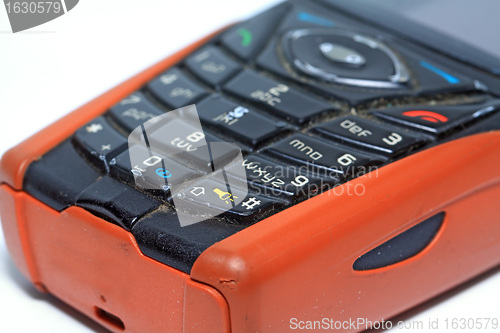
(300, 81)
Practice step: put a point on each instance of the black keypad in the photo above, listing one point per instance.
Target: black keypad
(280, 180)
(117, 202)
(247, 38)
(436, 119)
(368, 134)
(175, 89)
(266, 125)
(100, 141)
(133, 111)
(211, 65)
(283, 100)
(321, 157)
(238, 121)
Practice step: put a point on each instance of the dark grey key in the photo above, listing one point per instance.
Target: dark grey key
(116, 202)
(100, 141)
(152, 170)
(133, 111)
(238, 121)
(284, 101)
(280, 180)
(207, 194)
(175, 89)
(211, 65)
(328, 159)
(369, 135)
(247, 38)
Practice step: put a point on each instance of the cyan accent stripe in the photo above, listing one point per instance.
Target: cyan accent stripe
(303, 16)
(448, 77)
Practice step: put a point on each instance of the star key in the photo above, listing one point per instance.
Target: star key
(100, 142)
(94, 128)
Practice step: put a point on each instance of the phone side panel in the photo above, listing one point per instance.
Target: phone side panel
(97, 268)
(305, 254)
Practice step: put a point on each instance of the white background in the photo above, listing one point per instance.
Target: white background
(52, 69)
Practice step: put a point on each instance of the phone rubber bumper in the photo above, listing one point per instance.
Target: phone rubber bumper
(302, 267)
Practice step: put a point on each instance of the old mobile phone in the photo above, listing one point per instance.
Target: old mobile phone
(436, 205)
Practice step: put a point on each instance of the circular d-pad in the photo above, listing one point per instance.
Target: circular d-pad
(344, 57)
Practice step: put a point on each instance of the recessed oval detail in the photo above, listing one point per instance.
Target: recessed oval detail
(402, 247)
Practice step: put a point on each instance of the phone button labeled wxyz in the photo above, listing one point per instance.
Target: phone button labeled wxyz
(437, 119)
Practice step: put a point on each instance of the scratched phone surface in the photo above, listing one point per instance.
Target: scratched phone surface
(289, 104)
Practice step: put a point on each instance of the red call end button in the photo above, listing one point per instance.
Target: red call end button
(437, 119)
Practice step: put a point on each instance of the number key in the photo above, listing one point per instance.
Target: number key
(366, 134)
(175, 89)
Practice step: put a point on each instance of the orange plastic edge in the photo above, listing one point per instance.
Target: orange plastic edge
(308, 248)
(16, 160)
(57, 267)
(298, 263)
(94, 265)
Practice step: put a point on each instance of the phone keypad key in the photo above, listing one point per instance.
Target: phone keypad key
(134, 110)
(247, 38)
(100, 141)
(368, 135)
(187, 144)
(175, 89)
(284, 101)
(59, 176)
(117, 202)
(280, 180)
(238, 121)
(211, 65)
(436, 119)
(320, 157)
(231, 202)
(149, 169)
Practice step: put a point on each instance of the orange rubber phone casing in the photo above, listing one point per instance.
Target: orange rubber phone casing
(295, 264)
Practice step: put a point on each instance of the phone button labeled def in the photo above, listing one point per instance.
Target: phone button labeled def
(369, 135)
